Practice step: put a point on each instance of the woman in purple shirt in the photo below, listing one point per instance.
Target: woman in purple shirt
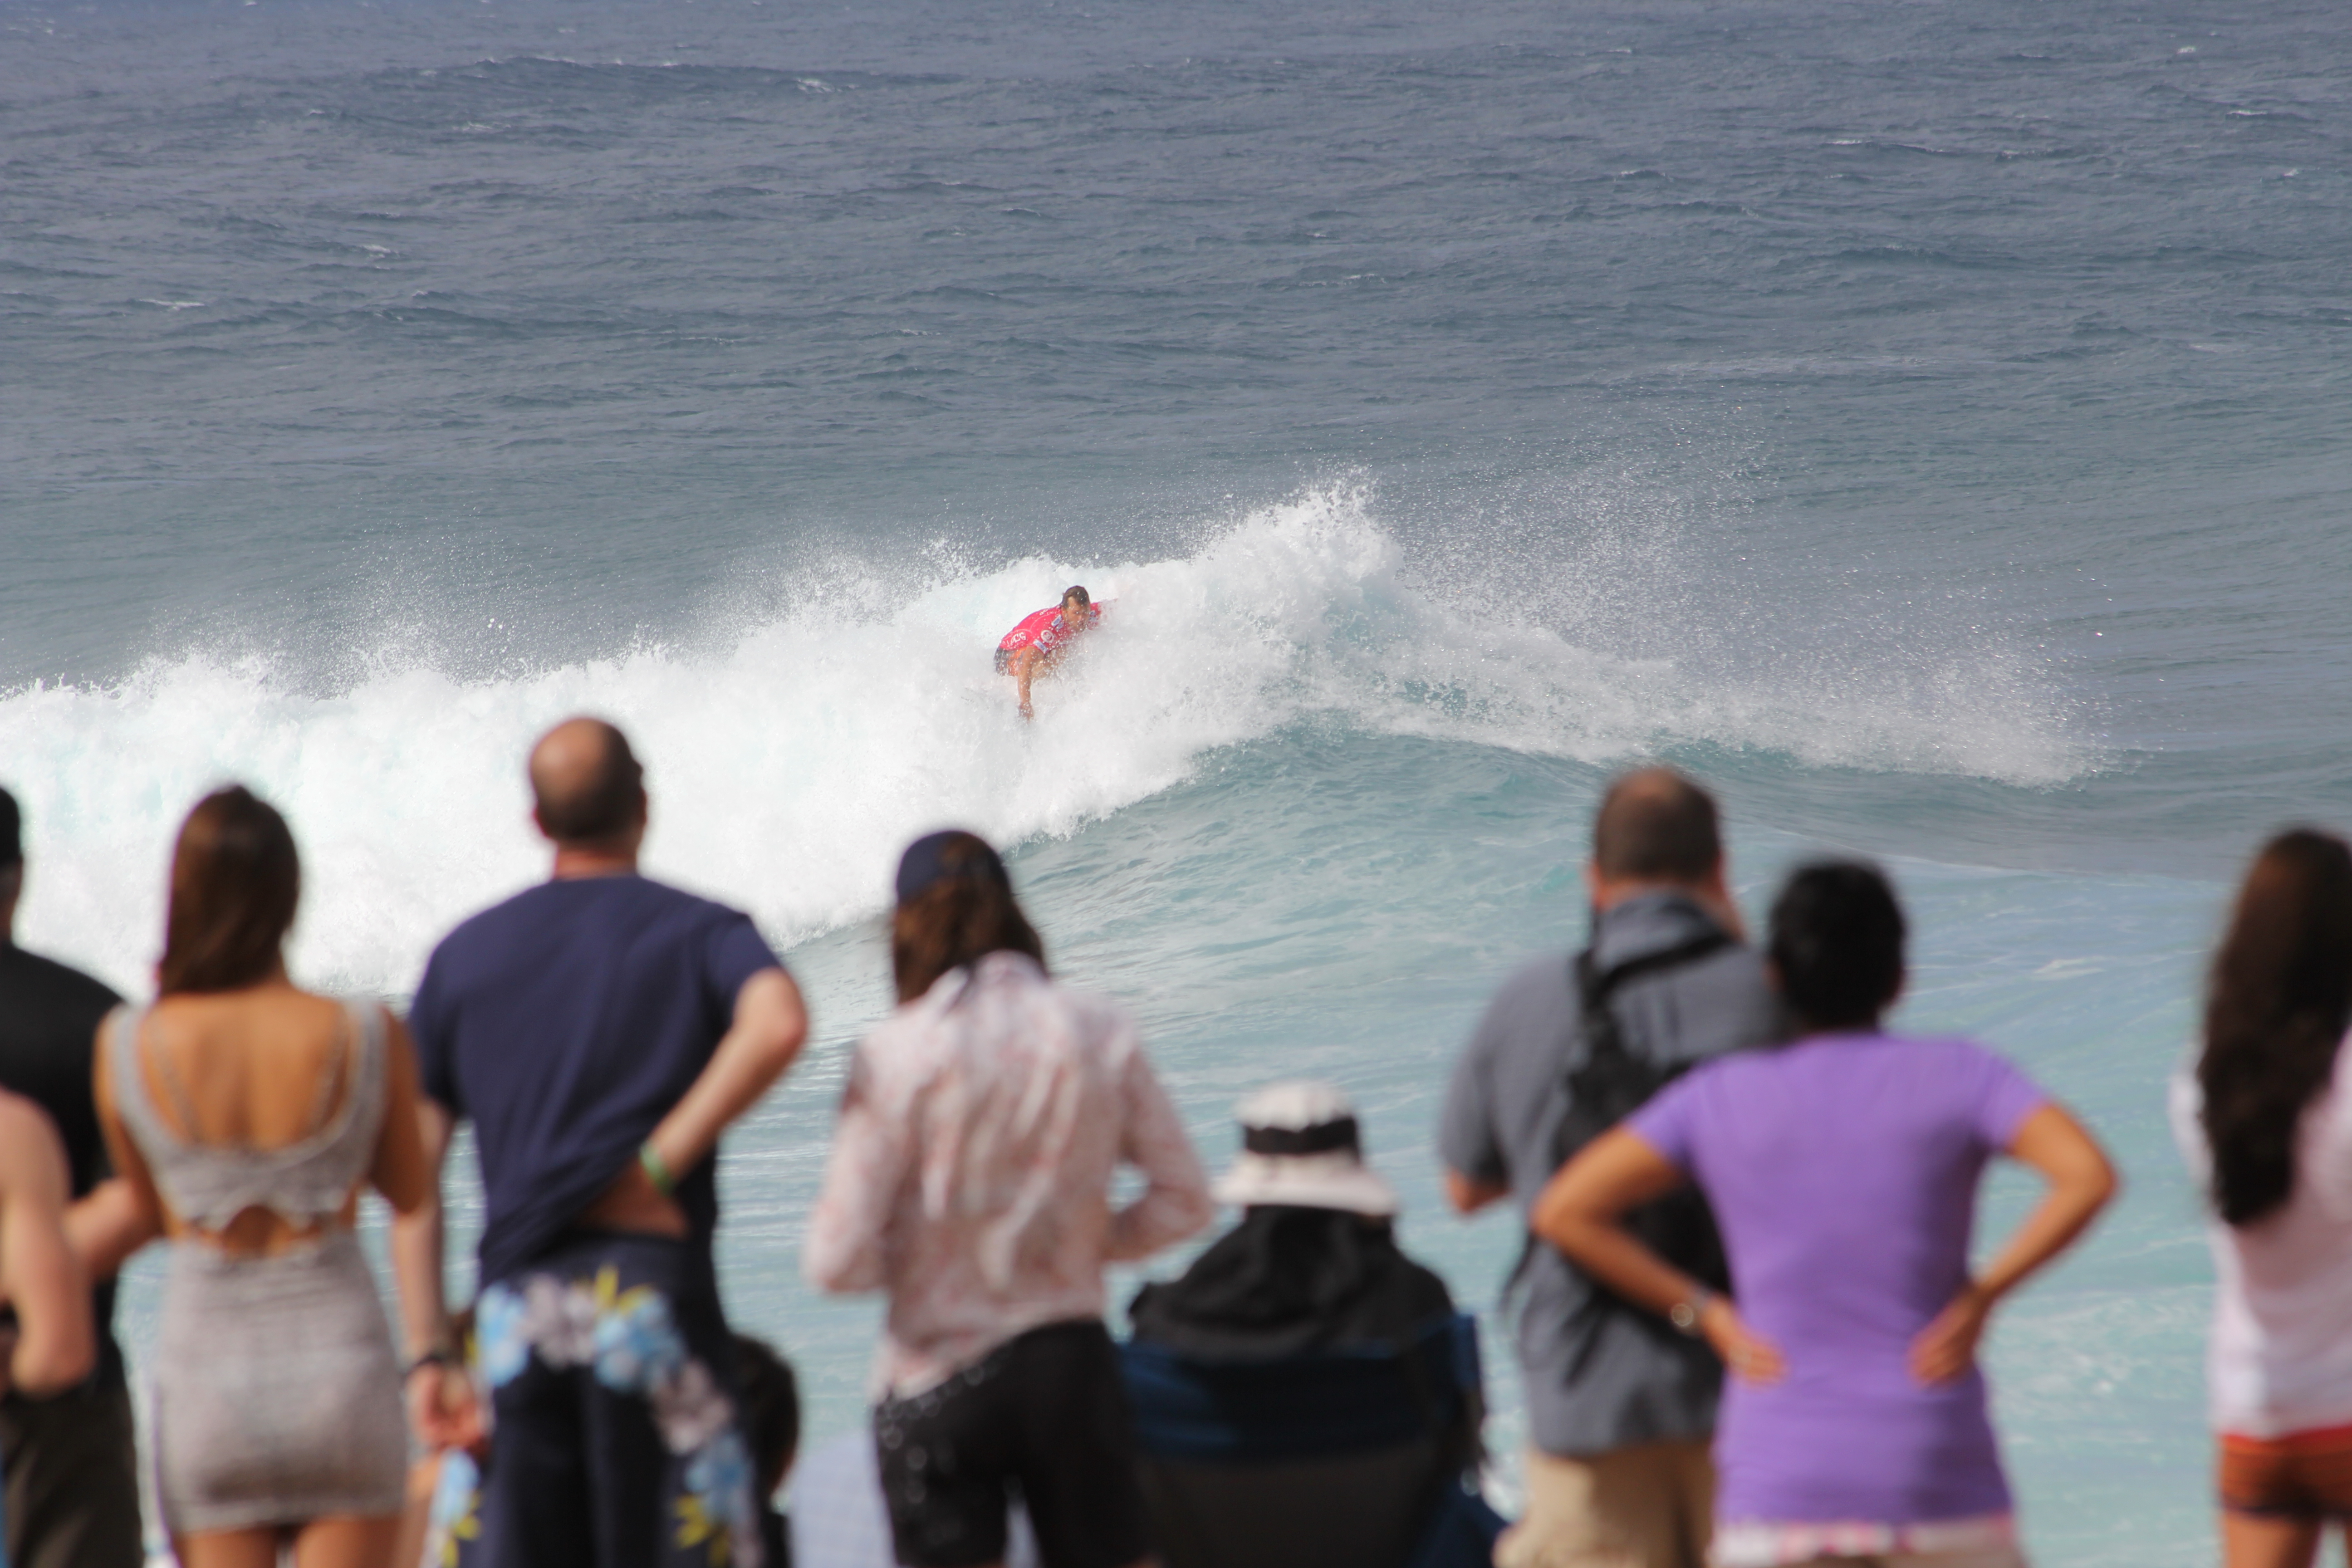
(1843, 1169)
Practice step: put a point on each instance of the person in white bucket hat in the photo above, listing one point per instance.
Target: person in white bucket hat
(1301, 1147)
(1313, 1263)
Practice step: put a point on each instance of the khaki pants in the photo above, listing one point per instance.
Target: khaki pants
(1643, 1507)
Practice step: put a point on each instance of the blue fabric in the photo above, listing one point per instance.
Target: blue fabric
(565, 1023)
(1325, 1403)
(1462, 1532)
(924, 862)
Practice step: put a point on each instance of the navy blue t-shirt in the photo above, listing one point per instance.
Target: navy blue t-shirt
(565, 1023)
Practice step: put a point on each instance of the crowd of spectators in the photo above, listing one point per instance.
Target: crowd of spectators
(1745, 1318)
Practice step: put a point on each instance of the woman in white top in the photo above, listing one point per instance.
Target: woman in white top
(2265, 1117)
(971, 1178)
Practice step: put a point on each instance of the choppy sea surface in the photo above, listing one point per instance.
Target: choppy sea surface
(1927, 423)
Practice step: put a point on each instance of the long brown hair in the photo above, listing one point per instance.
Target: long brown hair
(957, 919)
(2281, 998)
(236, 879)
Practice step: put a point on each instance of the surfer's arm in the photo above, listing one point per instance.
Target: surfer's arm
(1024, 668)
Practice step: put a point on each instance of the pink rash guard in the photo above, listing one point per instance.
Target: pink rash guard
(1046, 631)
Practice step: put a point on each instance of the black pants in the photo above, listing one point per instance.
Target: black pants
(1042, 1417)
(73, 1480)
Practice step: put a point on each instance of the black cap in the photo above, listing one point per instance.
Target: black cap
(11, 832)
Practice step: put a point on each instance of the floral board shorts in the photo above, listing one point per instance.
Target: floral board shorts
(615, 1436)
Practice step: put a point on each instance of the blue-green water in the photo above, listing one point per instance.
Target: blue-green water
(1927, 423)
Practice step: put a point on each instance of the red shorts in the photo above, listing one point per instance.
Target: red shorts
(2304, 1475)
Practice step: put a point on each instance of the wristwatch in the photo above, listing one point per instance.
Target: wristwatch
(1684, 1314)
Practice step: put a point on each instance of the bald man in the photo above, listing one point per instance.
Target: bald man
(600, 1031)
(1620, 1409)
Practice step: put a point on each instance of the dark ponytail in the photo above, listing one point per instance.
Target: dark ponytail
(2280, 1000)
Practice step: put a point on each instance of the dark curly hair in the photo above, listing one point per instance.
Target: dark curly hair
(1836, 944)
(2275, 1011)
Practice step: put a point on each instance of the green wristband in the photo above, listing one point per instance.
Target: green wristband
(657, 1169)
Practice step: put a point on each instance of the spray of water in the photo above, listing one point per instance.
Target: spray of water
(789, 763)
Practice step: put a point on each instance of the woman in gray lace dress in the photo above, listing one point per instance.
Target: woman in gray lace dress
(246, 1115)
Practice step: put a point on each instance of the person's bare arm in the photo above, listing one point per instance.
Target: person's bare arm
(1468, 1194)
(106, 1225)
(1580, 1213)
(399, 1171)
(138, 1219)
(418, 1241)
(56, 1343)
(2082, 1183)
(769, 1027)
(1025, 669)
(440, 1395)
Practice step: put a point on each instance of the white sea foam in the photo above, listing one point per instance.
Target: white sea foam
(789, 766)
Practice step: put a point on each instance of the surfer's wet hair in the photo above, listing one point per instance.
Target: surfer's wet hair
(958, 916)
(1074, 592)
(1655, 825)
(1836, 945)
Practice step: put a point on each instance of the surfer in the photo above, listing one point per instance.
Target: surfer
(1038, 643)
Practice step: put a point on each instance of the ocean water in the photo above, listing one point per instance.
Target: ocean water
(1928, 424)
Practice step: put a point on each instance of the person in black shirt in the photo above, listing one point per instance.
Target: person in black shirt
(72, 1470)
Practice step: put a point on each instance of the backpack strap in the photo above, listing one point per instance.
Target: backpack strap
(1594, 990)
(1596, 1025)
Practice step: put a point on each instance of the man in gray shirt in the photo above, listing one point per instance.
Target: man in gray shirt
(1620, 1406)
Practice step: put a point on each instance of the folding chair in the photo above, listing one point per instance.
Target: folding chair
(1342, 1458)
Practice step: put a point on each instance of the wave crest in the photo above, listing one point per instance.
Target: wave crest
(789, 766)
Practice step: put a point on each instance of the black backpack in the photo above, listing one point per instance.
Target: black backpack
(1610, 1084)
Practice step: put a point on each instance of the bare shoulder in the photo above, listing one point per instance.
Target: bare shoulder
(28, 1140)
(249, 1065)
(20, 1119)
(269, 1012)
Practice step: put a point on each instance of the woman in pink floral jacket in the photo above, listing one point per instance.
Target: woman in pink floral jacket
(970, 1179)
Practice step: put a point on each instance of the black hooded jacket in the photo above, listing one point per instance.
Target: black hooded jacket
(1288, 1279)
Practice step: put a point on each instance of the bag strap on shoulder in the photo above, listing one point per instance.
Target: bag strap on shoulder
(1593, 989)
(1598, 1028)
